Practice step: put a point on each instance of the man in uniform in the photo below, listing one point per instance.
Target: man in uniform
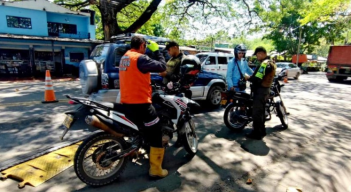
(262, 80)
(173, 65)
(135, 90)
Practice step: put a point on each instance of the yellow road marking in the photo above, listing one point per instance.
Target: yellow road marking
(36, 171)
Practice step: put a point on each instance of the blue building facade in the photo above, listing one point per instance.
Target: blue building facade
(37, 35)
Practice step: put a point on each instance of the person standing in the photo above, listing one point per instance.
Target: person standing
(237, 68)
(262, 80)
(135, 90)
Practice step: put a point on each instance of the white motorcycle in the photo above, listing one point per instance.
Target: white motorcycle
(102, 157)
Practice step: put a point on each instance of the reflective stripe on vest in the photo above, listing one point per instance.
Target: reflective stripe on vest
(134, 85)
(261, 71)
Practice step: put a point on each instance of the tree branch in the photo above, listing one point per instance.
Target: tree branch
(84, 3)
(144, 17)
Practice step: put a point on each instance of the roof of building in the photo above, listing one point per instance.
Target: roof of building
(42, 5)
(26, 37)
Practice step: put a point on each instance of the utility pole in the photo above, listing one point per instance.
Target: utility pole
(298, 48)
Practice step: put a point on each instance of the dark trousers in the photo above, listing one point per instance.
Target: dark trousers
(258, 110)
(145, 117)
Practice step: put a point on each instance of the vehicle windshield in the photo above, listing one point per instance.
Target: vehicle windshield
(99, 54)
(202, 58)
(282, 65)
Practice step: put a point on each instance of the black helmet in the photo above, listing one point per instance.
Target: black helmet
(190, 63)
(241, 48)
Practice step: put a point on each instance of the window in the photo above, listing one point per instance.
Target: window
(292, 65)
(76, 57)
(222, 60)
(19, 22)
(202, 58)
(211, 60)
(100, 52)
(56, 28)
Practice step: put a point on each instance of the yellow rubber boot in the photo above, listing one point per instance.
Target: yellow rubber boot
(156, 158)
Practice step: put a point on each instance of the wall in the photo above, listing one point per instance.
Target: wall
(82, 23)
(38, 20)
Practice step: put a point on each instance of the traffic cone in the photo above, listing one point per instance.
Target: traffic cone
(286, 80)
(49, 96)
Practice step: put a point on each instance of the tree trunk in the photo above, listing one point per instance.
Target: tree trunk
(109, 20)
(109, 12)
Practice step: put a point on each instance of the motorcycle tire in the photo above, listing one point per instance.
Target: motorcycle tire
(230, 108)
(80, 158)
(282, 114)
(189, 137)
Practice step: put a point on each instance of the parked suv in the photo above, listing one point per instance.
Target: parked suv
(99, 76)
(215, 62)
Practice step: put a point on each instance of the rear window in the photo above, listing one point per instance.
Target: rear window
(99, 53)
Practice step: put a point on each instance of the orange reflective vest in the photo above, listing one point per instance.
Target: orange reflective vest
(134, 85)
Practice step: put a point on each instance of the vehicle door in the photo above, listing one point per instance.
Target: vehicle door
(292, 70)
(222, 65)
(210, 64)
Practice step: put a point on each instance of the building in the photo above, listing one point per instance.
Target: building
(36, 35)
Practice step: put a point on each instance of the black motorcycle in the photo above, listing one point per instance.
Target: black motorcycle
(238, 107)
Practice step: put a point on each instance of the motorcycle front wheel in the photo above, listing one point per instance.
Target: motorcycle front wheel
(91, 161)
(234, 118)
(282, 114)
(189, 137)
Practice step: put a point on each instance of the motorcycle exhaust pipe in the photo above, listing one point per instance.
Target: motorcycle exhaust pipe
(96, 122)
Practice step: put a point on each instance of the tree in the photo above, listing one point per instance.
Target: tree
(115, 15)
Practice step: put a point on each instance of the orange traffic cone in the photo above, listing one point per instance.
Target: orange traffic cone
(286, 79)
(49, 90)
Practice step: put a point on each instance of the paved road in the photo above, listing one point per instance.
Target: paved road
(313, 154)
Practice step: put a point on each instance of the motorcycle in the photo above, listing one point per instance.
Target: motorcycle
(238, 107)
(102, 157)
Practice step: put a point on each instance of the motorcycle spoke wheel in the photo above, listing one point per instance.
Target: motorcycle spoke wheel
(92, 162)
(190, 138)
(233, 119)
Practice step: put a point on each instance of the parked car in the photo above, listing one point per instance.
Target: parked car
(99, 76)
(215, 62)
(288, 69)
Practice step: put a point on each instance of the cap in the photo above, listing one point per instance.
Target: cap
(171, 44)
(260, 49)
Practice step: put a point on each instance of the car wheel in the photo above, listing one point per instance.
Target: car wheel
(214, 96)
(297, 76)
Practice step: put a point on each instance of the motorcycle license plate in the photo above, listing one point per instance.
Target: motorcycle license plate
(68, 121)
(223, 102)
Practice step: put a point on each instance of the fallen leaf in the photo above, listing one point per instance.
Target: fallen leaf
(16, 89)
(249, 181)
(293, 189)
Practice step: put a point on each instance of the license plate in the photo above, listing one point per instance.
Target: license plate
(68, 121)
(223, 102)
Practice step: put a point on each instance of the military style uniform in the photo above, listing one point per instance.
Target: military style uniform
(262, 80)
(173, 69)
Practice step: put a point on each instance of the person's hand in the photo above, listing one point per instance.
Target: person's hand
(247, 77)
(163, 74)
(232, 88)
(152, 45)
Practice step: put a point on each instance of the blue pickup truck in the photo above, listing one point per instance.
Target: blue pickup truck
(99, 76)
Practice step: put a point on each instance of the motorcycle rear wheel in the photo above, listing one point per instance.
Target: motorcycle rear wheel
(189, 137)
(239, 124)
(89, 159)
(282, 114)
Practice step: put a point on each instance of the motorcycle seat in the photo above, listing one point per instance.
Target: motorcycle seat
(242, 95)
(112, 106)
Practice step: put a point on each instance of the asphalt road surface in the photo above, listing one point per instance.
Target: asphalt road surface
(312, 155)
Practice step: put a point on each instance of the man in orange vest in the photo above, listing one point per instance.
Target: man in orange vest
(135, 90)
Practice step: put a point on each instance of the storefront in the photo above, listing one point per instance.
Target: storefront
(15, 61)
(34, 55)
